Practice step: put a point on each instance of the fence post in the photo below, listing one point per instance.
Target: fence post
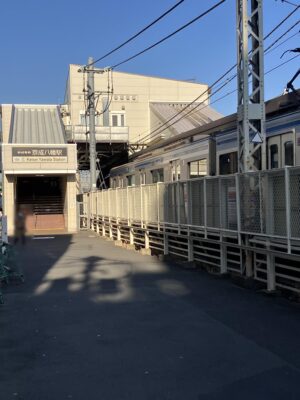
(166, 242)
(128, 214)
(97, 213)
(103, 212)
(205, 208)
(189, 201)
(178, 204)
(190, 246)
(158, 206)
(147, 239)
(142, 208)
(118, 217)
(271, 277)
(223, 254)
(88, 211)
(238, 207)
(288, 207)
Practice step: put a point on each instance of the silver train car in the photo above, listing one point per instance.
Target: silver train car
(212, 149)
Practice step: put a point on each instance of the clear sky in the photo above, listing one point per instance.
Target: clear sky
(39, 38)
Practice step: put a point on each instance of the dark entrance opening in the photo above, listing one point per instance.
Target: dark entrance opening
(42, 198)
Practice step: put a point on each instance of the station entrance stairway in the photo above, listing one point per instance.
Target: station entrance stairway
(43, 205)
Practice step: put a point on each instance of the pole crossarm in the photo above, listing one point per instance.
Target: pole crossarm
(250, 74)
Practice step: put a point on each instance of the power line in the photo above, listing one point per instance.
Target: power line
(170, 35)
(283, 42)
(158, 129)
(281, 36)
(235, 90)
(138, 33)
(289, 2)
(281, 22)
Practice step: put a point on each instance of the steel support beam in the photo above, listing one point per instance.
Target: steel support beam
(250, 73)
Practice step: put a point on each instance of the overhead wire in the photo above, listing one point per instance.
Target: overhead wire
(281, 22)
(225, 84)
(218, 80)
(289, 2)
(170, 35)
(281, 36)
(138, 33)
(235, 90)
(283, 42)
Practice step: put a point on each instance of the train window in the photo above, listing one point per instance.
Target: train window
(175, 170)
(198, 168)
(288, 153)
(274, 156)
(228, 163)
(157, 175)
(142, 178)
(120, 182)
(130, 180)
(178, 172)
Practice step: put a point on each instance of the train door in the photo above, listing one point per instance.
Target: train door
(281, 150)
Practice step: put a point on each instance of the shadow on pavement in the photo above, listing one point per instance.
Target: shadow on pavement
(94, 321)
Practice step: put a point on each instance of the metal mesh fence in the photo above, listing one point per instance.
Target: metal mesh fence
(212, 203)
(150, 203)
(134, 199)
(274, 206)
(269, 203)
(196, 207)
(295, 203)
(123, 202)
(170, 203)
(250, 203)
(228, 203)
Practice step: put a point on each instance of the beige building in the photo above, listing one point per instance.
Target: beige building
(138, 106)
(130, 112)
(38, 169)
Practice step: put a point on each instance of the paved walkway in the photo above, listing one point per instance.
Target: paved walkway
(94, 321)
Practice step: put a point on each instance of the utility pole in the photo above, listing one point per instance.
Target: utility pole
(250, 73)
(91, 112)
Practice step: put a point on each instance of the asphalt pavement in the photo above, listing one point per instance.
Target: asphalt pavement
(94, 321)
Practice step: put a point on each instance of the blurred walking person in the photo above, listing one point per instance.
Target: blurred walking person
(20, 228)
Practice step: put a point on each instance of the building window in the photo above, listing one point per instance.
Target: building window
(228, 163)
(118, 119)
(289, 153)
(114, 120)
(198, 168)
(85, 119)
(157, 175)
(122, 116)
(274, 156)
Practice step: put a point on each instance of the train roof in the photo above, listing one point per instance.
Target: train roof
(275, 106)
